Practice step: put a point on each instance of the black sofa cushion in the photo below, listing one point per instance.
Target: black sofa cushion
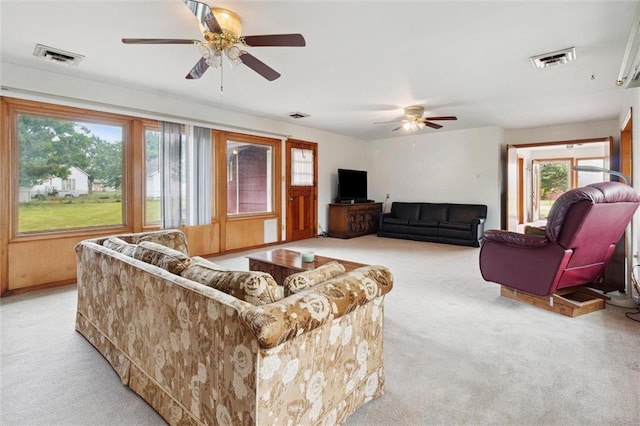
(395, 221)
(425, 223)
(457, 226)
(466, 213)
(405, 210)
(433, 212)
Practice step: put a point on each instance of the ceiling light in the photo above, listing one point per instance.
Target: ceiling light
(413, 124)
(228, 20)
(225, 42)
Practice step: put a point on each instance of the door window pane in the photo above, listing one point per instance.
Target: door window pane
(70, 174)
(554, 179)
(249, 178)
(301, 167)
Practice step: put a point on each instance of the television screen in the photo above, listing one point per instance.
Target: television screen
(352, 185)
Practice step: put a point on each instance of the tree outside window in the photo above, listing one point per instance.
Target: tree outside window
(70, 174)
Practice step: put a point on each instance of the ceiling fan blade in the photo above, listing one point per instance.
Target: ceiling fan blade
(285, 40)
(158, 41)
(448, 117)
(258, 66)
(397, 128)
(198, 69)
(204, 14)
(432, 125)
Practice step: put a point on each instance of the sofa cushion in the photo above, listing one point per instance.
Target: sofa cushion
(456, 226)
(257, 288)
(168, 238)
(302, 280)
(424, 223)
(119, 245)
(395, 221)
(466, 213)
(164, 257)
(206, 262)
(433, 212)
(405, 210)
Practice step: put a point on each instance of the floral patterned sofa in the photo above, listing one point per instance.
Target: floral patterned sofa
(202, 355)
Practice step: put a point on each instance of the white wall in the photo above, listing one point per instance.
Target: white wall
(452, 166)
(565, 132)
(334, 150)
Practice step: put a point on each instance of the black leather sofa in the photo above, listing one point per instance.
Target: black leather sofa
(461, 224)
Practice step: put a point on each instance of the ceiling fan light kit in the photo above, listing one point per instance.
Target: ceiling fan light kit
(414, 120)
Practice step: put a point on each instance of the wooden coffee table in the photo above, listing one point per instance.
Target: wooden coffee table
(281, 263)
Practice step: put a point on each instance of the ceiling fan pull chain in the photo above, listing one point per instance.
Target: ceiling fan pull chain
(221, 78)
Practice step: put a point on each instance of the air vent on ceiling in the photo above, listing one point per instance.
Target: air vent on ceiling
(298, 115)
(550, 59)
(57, 55)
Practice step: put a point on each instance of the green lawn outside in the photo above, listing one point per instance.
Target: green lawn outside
(54, 214)
(100, 209)
(152, 211)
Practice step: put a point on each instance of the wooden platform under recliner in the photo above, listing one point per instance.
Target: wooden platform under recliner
(570, 301)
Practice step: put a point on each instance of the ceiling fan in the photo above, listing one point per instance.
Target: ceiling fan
(221, 29)
(415, 121)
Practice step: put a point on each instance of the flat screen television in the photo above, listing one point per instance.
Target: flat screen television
(352, 185)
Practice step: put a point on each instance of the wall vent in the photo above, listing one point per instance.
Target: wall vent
(550, 59)
(298, 115)
(57, 55)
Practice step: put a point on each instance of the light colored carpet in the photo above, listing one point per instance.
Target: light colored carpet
(455, 352)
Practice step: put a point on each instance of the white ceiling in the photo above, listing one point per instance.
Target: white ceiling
(364, 60)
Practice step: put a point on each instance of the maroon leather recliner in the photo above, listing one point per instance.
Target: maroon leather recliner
(583, 227)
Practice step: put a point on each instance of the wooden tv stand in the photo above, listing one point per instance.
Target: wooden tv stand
(353, 220)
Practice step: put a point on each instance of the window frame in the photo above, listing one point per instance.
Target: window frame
(276, 166)
(13, 108)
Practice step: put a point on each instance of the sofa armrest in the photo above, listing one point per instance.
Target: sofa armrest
(477, 227)
(278, 322)
(515, 239)
(381, 217)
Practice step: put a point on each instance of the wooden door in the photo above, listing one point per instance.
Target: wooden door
(302, 188)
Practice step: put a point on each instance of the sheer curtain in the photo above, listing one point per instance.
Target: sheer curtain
(171, 174)
(199, 169)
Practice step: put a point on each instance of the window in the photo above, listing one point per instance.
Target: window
(301, 167)
(70, 172)
(153, 188)
(249, 178)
